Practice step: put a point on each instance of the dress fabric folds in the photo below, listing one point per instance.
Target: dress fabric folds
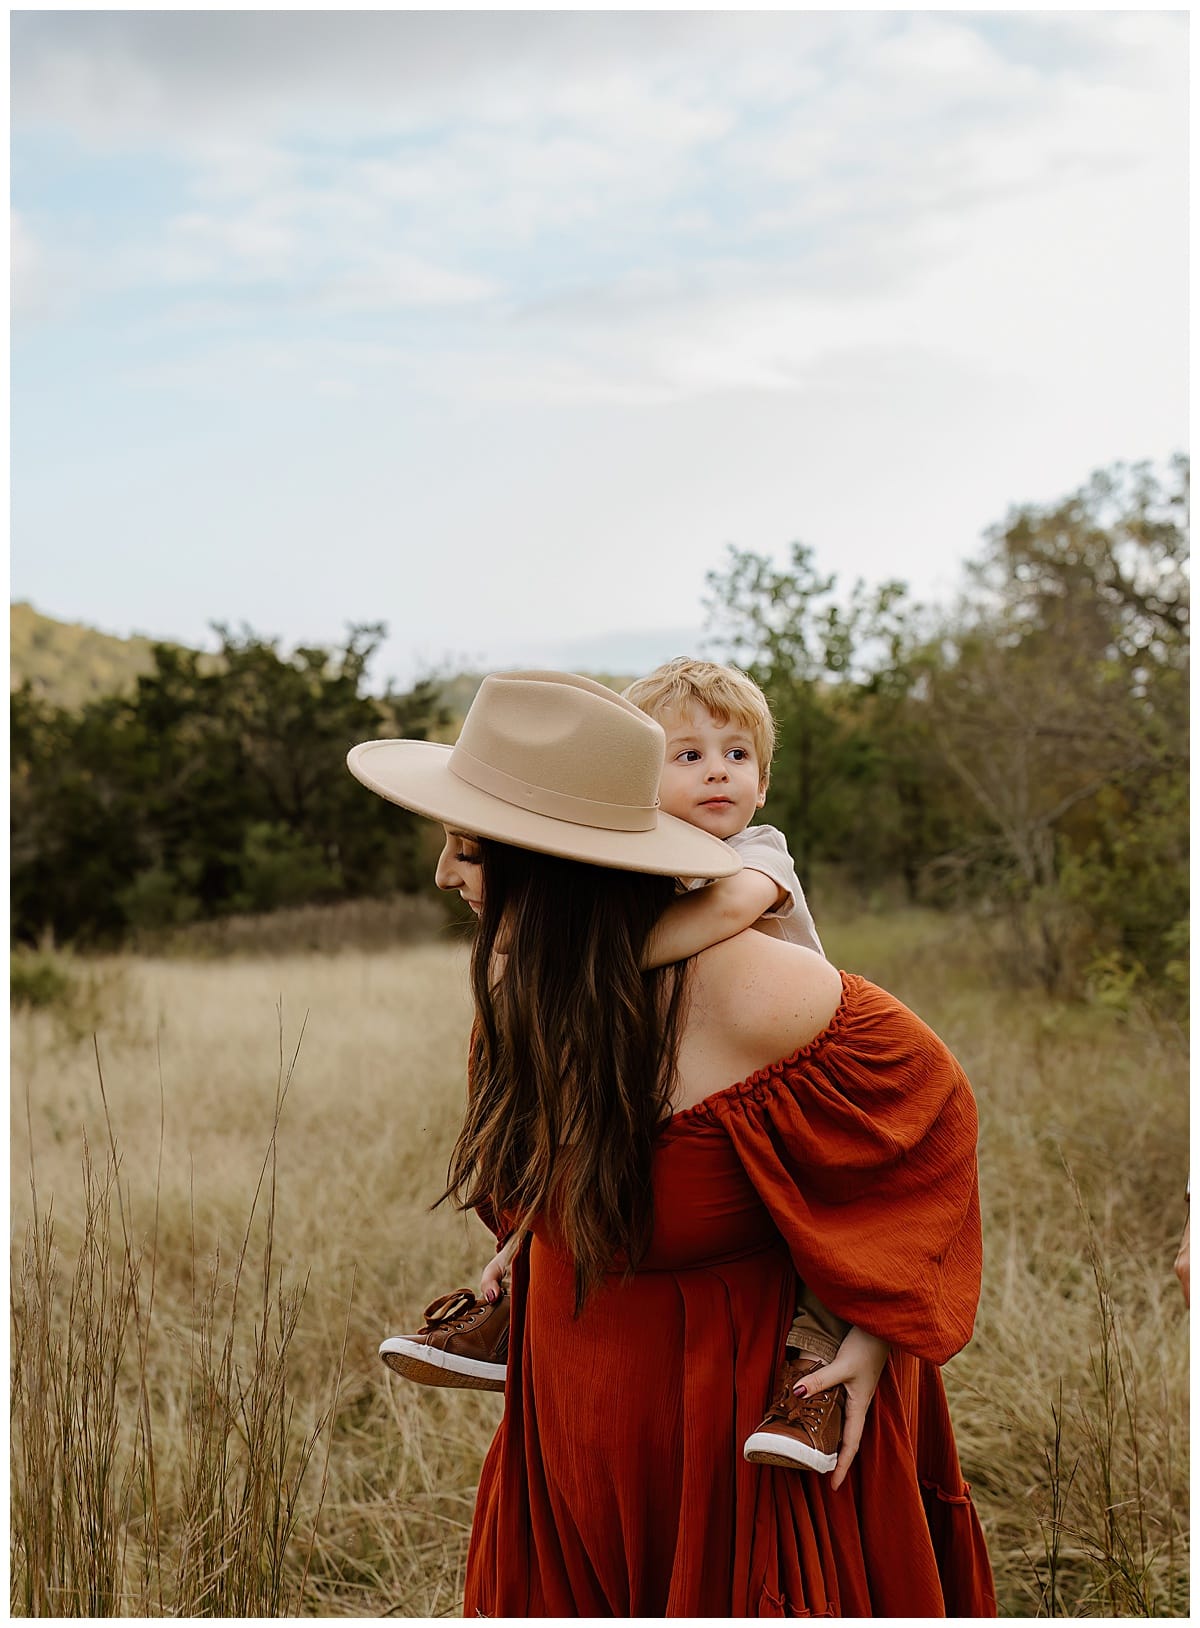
(616, 1487)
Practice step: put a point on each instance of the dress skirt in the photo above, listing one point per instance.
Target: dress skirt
(616, 1486)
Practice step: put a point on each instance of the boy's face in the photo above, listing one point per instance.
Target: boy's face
(711, 777)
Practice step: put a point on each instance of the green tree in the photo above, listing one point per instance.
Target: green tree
(1061, 704)
(1027, 748)
(217, 785)
(817, 658)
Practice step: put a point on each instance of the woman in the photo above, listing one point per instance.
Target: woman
(683, 1144)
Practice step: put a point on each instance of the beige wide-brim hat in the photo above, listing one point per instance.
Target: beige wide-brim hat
(552, 762)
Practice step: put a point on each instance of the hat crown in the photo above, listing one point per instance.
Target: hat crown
(554, 763)
(562, 745)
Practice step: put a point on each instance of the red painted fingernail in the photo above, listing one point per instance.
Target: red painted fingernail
(800, 1390)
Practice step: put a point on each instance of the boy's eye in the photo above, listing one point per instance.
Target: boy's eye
(738, 753)
(690, 756)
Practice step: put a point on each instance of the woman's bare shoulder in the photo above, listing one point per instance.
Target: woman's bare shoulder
(776, 996)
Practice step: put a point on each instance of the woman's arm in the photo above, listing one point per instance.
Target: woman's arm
(877, 1131)
(492, 1282)
(707, 915)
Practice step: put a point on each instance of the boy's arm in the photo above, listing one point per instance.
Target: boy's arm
(709, 914)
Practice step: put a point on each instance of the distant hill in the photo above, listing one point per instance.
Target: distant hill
(69, 664)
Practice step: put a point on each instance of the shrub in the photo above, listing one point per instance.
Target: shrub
(39, 979)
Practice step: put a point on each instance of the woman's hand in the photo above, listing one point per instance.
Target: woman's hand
(494, 1279)
(857, 1366)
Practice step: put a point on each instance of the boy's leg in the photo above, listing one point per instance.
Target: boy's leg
(463, 1342)
(803, 1432)
(811, 1314)
(816, 1337)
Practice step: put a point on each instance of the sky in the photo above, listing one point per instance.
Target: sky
(502, 327)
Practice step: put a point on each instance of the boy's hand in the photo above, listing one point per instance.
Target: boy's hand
(707, 915)
(494, 1278)
(859, 1362)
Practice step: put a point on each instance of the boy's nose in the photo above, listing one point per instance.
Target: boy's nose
(717, 771)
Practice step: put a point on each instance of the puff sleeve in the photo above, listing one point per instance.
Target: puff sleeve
(862, 1145)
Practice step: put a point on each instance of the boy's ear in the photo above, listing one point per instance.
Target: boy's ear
(762, 790)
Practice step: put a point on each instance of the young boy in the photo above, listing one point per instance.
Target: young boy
(720, 742)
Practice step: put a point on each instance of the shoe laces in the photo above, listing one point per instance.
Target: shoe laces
(454, 1308)
(805, 1412)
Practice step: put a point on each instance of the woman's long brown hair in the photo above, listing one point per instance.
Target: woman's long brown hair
(574, 1055)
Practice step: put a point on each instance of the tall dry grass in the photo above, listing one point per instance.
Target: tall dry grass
(201, 1423)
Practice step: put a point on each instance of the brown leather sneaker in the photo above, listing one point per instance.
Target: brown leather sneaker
(799, 1432)
(463, 1341)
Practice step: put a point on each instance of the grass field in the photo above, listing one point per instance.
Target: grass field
(201, 1424)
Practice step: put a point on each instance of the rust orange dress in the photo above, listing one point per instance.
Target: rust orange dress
(616, 1487)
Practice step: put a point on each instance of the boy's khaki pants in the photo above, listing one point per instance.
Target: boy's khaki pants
(815, 1331)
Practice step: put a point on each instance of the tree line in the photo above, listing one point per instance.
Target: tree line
(214, 788)
(1023, 753)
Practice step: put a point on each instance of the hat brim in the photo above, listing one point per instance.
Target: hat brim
(417, 775)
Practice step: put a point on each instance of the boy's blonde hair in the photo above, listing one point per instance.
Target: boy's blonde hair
(726, 692)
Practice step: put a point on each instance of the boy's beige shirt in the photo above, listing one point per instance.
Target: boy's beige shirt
(762, 848)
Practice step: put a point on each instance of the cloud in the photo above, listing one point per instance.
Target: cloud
(473, 287)
(661, 81)
(119, 76)
(45, 276)
(396, 280)
(205, 247)
(616, 206)
(313, 250)
(24, 268)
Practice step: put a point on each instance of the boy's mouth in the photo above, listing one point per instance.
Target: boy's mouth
(717, 802)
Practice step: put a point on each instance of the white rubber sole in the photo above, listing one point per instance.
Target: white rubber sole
(428, 1365)
(763, 1447)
